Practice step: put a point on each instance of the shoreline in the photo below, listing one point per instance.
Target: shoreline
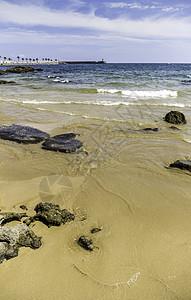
(28, 64)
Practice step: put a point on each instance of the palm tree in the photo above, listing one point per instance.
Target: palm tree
(30, 59)
(26, 59)
(23, 59)
(37, 60)
(18, 58)
(4, 58)
(9, 59)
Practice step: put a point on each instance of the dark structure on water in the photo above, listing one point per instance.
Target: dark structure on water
(83, 62)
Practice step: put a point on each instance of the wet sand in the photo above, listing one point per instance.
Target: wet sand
(123, 187)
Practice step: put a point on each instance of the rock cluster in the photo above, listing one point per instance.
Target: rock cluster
(50, 215)
(28, 135)
(19, 70)
(20, 235)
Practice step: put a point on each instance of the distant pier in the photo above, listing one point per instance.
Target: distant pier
(83, 62)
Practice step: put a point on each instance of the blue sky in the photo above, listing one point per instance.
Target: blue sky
(118, 31)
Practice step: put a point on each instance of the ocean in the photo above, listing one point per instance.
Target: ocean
(120, 181)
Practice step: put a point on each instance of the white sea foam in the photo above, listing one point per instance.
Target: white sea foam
(189, 76)
(141, 94)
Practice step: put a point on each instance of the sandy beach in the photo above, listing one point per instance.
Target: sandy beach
(122, 186)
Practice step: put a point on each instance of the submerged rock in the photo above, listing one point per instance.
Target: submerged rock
(63, 143)
(182, 164)
(22, 134)
(19, 70)
(6, 82)
(7, 217)
(94, 230)
(150, 129)
(23, 207)
(175, 117)
(85, 243)
(12, 238)
(174, 128)
(50, 215)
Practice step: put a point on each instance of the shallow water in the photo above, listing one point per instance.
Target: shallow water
(123, 185)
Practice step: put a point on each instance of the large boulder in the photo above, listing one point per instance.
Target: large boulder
(22, 134)
(63, 143)
(12, 238)
(182, 164)
(175, 117)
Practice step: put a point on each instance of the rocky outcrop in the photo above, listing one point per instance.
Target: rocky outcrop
(182, 164)
(50, 215)
(63, 143)
(6, 82)
(12, 238)
(19, 70)
(22, 134)
(7, 217)
(175, 117)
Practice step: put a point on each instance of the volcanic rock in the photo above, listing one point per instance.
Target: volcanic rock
(63, 143)
(22, 134)
(50, 215)
(175, 117)
(182, 164)
(12, 238)
(85, 243)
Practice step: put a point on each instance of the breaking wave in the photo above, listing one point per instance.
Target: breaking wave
(143, 94)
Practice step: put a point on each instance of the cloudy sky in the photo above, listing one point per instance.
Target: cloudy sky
(118, 31)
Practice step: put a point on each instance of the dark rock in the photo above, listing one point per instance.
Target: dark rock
(63, 143)
(85, 243)
(186, 82)
(12, 238)
(175, 117)
(6, 82)
(7, 217)
(50, 215)
(94, 230)
(19, 70)
(22, 134)
(174, 128)
(23, 207)
(182, 164)
(150, 129)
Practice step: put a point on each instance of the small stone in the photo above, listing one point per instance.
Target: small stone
(94, 230)
(151, 129)
(85, 243)
(23, 207)
(174, 128)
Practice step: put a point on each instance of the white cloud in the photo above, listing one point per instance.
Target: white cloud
(32, 15)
